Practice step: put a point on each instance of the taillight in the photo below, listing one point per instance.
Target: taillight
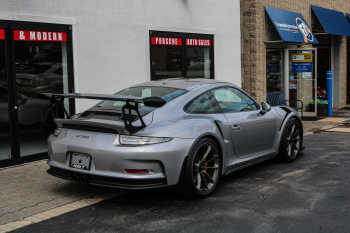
(134, 171)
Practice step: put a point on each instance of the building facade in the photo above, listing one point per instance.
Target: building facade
(105, 46)
(267, 59)
(102, 47)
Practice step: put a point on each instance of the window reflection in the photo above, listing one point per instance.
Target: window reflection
(273, 71)
(166, 61)
(198, 62)
(233, 100)
(40, 66)
(203, 104)
(5, 145)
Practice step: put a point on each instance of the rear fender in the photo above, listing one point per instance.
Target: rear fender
(191, 127)
(222, 151)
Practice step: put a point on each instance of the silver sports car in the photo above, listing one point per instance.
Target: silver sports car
(179, 133)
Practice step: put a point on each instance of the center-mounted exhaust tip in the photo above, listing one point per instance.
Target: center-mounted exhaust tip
(83, 179)
(75, 178)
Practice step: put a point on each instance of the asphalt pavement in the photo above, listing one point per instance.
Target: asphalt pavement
(309, 195)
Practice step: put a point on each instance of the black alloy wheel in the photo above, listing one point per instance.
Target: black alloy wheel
(201, 171)
(291, 141)
(205, 167)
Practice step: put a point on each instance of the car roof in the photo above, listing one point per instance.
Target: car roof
(180, 83)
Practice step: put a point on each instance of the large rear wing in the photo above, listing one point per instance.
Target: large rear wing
(56, 101)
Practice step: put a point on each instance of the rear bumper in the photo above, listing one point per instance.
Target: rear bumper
(109, 159)
(109, 181)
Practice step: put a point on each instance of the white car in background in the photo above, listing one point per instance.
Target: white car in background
(40, 77)
(199, 63)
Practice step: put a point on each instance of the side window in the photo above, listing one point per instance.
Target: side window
(204, 103)
(233, 100)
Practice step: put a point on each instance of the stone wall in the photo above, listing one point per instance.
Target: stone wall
(253, 54)
(343, 71)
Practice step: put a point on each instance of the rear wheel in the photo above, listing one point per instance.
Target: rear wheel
(201, 170)
(290, 142)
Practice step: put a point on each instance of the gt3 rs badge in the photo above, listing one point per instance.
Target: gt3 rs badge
(82, 136)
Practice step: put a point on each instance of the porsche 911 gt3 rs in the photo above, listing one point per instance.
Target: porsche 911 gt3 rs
(179, 133)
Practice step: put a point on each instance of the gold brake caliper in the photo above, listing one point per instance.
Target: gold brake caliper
(205, 169)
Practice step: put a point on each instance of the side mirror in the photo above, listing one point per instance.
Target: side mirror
(264, 108)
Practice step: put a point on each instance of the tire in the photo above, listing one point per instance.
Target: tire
(290, 142)
(201, 170)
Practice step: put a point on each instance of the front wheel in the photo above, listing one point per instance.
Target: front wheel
(290, 142)
(201, 170)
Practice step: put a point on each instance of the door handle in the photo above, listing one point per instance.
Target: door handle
(14, 111)
(235, 127)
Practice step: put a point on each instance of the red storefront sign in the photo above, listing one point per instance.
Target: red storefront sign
(2, 34)
(166, 41)
(29, 35)
(198, 42)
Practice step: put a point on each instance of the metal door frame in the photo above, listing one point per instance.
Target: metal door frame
(286, 78)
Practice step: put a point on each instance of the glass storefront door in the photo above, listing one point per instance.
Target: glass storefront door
(302, 80)
(5, 132)
(39, 66)
(38, 58)
(274, 70)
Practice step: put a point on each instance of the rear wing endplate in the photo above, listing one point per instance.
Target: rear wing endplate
(56, 101)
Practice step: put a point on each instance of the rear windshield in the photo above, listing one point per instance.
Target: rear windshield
(165, 93)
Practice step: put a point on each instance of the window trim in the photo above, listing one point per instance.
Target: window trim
(183, 36)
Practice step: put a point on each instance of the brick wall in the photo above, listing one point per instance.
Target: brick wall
(253, 52)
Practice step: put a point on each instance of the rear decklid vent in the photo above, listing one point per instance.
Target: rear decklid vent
(90, 128)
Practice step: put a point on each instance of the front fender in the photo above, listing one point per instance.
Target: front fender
(292, 114)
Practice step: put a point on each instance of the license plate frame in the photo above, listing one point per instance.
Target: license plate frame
(80, 161)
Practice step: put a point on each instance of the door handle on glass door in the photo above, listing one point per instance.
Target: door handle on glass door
(235, 127)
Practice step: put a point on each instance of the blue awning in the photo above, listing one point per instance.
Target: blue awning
(291, 26)
(333, 22)
(348, 16)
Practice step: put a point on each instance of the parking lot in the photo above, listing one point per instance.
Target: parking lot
(308, 195)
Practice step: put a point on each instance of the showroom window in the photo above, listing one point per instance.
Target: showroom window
(181, 55)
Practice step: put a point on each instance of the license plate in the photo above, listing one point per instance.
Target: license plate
(80, 161)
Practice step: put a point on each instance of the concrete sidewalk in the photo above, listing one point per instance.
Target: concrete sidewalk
(28, 190)
(28, 194)
(319, 124)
